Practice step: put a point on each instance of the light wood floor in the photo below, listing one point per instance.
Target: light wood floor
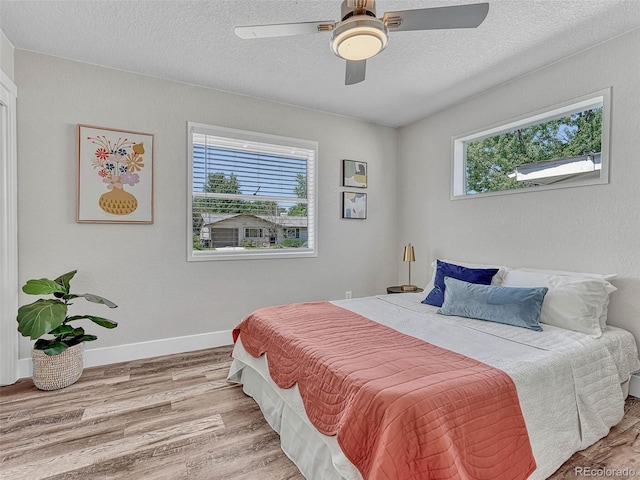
(176, 417)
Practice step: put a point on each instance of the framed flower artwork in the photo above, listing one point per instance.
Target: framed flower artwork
(115, 176)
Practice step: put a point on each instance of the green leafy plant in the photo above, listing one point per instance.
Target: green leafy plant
(49, 316)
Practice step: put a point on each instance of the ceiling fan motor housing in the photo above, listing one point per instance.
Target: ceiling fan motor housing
(349, 8)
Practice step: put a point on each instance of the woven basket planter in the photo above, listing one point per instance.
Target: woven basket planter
(57, 371)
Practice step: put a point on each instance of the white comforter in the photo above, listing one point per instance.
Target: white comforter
(568, 383)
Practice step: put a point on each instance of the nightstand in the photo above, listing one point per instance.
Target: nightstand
(398, 289)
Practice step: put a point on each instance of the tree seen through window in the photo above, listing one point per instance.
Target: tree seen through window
(491, 162)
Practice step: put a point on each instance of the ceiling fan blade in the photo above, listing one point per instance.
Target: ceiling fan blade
(458, 16)
(356, 70)
(283, 29)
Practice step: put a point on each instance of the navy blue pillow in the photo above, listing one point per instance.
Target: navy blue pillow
(482, 276)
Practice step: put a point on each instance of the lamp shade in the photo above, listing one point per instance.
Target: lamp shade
(409, 254)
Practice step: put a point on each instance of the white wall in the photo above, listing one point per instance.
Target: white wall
(589, 229)
(143, 268)
(6, 56)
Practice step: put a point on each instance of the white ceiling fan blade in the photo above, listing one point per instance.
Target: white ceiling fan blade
(355, 72)
(283, 29)
(458, 16)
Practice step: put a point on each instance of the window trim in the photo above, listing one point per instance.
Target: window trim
(261, 138)
(458, 162)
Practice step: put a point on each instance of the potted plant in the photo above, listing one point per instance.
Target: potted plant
(57, 361)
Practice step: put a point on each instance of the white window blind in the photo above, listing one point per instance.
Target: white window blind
(246, 191)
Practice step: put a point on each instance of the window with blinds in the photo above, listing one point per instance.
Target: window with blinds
(251, 195)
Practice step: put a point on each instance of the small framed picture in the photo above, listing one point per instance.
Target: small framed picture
(354, 174)
(354, 205)
(115, 176)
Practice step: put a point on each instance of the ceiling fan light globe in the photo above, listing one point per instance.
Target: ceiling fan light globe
(359, 39)
(359, 47)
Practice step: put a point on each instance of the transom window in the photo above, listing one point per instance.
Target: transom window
(561, 147)
(247, 192)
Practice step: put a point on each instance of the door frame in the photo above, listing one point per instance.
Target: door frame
(9, 286)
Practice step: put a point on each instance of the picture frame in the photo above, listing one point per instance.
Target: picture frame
(354, 174)
(115, 176)
(354, 205)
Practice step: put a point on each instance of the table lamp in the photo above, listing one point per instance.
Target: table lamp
(409, 256)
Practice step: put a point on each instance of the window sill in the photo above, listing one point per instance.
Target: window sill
(203, 256)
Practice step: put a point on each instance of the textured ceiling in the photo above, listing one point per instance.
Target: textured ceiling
(417, 74)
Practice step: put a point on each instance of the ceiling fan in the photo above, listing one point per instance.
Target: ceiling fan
(361, 35)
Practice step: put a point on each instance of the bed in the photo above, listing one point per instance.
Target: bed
(570, 391)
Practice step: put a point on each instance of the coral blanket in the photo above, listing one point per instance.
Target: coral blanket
(401, 408)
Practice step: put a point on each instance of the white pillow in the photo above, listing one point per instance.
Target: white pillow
(574, 302)
(496, 280)
(607, 285)
(573, 274)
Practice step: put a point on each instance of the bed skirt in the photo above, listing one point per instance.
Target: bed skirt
(317, 456)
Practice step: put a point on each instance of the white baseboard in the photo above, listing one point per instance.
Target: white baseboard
(135, 351)
(634, 385)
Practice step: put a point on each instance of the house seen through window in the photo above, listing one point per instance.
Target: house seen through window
(251, 195)
(565, 146)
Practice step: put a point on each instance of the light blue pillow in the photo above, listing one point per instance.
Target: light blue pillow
(515, 306)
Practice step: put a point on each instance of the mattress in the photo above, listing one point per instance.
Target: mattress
(568, 383)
